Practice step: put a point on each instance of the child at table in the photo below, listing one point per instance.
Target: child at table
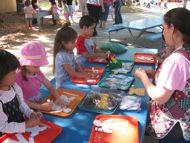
(86, 47)
(65, 65)
(170, 106)
(30, 78)
(13, 109)
(28, 11)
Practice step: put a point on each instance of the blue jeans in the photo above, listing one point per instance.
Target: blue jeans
(106, 13)
(118, 18)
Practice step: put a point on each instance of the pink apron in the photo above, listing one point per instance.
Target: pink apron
(176, 109)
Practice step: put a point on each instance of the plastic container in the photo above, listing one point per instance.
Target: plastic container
(119, 81)
(105, 102)
(126, 68)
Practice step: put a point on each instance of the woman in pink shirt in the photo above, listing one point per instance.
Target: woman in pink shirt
(170, 106)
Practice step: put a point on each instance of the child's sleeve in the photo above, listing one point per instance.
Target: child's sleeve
(80, 44)
(11, 127)
(174, 73)
(23, 106)
(90, 46)
(63, 59)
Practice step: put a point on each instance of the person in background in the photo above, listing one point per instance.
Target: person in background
(95, 7)
(55, 15)
(83, 7)
(118, 17)
(30, 78)
(66, 13)
(71, 8)
(28, 11)
(105, 13)
(13, 110)
(36, 10)
(185, 3)
(170, 105)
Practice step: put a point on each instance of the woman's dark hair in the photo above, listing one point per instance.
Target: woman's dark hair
(180, 18)
(8, 63)
(86, 21)
(64, 35)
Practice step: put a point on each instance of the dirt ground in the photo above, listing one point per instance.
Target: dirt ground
(13, 31)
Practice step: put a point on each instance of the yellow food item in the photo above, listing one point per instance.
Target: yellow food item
(103, 102)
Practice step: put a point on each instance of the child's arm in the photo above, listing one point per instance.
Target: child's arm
(23, 106)
(79, 68)
(73, 73)
(40, 106)
(53, 91)
(159, 94)
(10, 127)
(14, 127)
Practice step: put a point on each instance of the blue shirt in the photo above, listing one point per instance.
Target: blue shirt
(61, 74)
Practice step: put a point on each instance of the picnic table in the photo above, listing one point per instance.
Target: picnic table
(77, 127)
(40, 16)
(141, 25)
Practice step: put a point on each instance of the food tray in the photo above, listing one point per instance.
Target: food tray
(144, 58)
(46, 136)
(126, 68)
(119, 81)
(77, 97)
(124, 129)
(105, 103)
(98, 70)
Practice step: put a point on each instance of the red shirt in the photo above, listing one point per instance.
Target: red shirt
(80, 45)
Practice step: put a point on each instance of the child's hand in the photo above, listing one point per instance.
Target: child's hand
(32, 123)
(58, 101)
(47, 106)
(35, 115)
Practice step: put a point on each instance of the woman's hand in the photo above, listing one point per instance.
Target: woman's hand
(140, 73)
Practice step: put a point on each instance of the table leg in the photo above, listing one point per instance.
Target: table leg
(139, 35)
(39, 21)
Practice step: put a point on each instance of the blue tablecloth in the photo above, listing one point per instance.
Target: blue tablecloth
(77, 127)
